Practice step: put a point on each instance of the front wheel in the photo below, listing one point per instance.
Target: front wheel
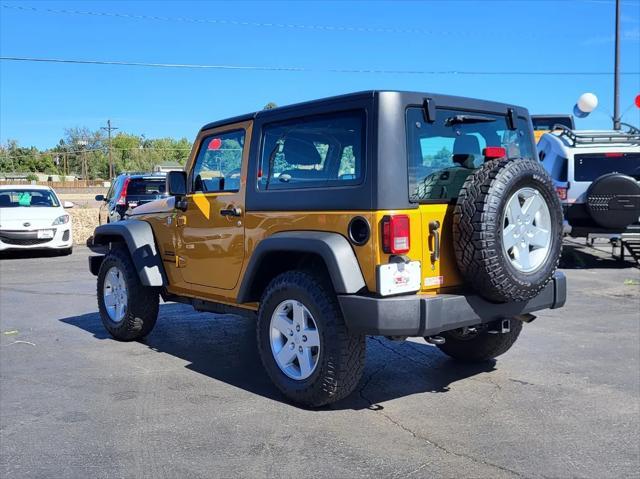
(479, 344)
(304, 343)
(128, 309)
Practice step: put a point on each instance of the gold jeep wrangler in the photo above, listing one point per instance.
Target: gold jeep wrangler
(375, 213)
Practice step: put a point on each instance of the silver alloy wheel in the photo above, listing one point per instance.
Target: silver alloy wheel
(114, 294)
(294, 338)
(526, 230)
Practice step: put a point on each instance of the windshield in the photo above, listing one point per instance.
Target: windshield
(443, 153)
(544, 123)
(592, 166)
(28, 198)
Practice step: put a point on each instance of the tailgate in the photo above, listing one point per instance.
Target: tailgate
(442, 271)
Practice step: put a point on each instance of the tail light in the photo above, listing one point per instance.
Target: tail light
(494, 152)
(562, 192)
(395, 234)
(122, 200)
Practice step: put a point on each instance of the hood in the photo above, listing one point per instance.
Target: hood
(162, 205)
(38, 217)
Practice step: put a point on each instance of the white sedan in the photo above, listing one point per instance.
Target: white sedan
(32, 217)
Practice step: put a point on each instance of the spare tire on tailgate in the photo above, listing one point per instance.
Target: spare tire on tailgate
(613, 201)
(508, 229)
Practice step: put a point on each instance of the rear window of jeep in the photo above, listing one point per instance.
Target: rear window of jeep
(444, 153)
(316, 152)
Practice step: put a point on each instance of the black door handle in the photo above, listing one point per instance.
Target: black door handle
(233, 211)
(433, 229)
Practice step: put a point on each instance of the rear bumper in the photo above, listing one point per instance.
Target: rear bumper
(421, 315)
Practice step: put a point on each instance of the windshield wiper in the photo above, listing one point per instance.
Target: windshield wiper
(460, 119)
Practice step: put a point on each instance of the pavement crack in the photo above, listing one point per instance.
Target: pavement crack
(413, 471)
(443, 448)
(367, 381)
(497, 389)
(426, 440)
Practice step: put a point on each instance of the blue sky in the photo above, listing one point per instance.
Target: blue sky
(39, 100)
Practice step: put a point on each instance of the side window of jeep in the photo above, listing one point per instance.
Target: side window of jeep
(217, 167)
(310, 153)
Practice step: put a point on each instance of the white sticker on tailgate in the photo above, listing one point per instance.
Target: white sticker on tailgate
(396, 278)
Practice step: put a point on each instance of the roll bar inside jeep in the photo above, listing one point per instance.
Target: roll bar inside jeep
(631, 136)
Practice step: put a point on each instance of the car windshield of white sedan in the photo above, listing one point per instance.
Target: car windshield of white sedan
(28, 198)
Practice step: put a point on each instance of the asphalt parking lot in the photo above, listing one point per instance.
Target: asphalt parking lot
(192, 400)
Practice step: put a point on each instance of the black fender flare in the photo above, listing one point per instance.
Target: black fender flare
(138, 236)
(334, 249)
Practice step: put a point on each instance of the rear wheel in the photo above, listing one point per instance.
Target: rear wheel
(304, 343)
(479, 344)
(127, 308)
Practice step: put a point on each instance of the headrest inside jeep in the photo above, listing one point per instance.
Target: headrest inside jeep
(466, 149)
(299, 150)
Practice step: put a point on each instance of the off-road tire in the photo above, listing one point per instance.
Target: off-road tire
(482, 346)
(477, 228)
(342, 354)
(142, 302)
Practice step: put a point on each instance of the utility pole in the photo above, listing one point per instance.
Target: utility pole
(109, 128)
(83, 143)
(616, 73)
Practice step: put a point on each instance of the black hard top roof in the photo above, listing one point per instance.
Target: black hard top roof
(408, 97)
(553, 115)
(138, 175)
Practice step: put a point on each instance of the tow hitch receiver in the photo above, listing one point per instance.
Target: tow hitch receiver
(500, 327)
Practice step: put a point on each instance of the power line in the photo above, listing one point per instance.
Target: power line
(90, 150)
(272, 25)
(314, 70)
(299, 26)
(155, 65)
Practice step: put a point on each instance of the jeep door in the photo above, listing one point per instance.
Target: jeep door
(210, 233)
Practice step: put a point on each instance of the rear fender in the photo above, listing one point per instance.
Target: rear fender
(334, 249)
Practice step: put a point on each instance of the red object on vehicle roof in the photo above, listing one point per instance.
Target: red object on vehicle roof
(215, 144)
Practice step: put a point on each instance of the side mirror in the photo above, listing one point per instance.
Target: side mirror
(67, 204)
(176, 183)
(100, 198)
(177, 186)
